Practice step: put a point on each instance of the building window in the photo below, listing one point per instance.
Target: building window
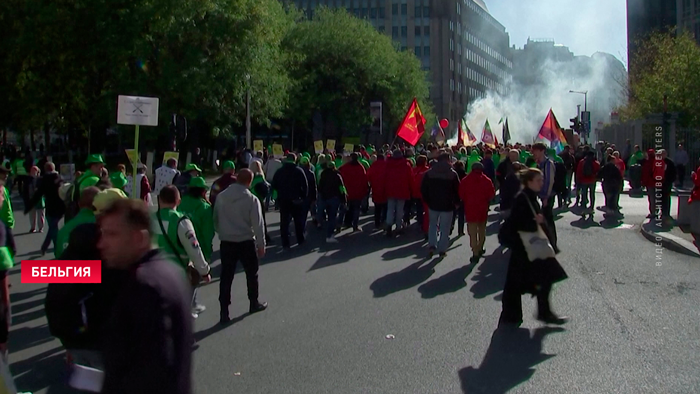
(373, 13)
(404, 31)
(426, 12)
(381, 29)
(426, 31)
(459, 49)
(452, 26)
(459, 8)
(394, 9)
(364, 12)
(459, 68)
(418, 11)
(404, 9)
(418, 52)
(459, 87)
(382, 12)
(452, 45)
(459, 29)
(403, 49)
(395, 32)
(452, 85)
(426, 51)
(452, 65)
(417, 31)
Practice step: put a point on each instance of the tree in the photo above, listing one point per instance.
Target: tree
(340, 64)
(665, 65)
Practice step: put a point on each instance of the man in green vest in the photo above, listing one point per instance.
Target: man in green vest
(195, 205)
(95, 164)
(177, 239)
(85, 215)
(7, 217)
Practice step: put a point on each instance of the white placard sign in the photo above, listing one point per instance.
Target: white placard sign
(141, 111)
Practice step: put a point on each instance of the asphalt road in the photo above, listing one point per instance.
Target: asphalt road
(372, 315)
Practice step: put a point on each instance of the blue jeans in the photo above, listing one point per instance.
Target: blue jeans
(331, 205)
(52, 233)
(443, 222)
(394, 214)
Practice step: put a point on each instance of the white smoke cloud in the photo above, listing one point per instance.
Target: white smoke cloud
(527, 106)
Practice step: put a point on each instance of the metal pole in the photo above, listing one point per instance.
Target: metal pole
(248, 137)
(578, 112)
(585, 101)
(135, 163)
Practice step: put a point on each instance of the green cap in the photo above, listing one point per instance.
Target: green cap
(94, 159)
(307, 155)
(118, 180)
(192, 167)
(198, 181)
(303, 160)
(228, 165)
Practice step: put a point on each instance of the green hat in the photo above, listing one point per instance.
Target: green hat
(118, 180)
(198, 181)
(94, 159)
(303, 160)
(307, 155)
(228, 165)
(192, 167)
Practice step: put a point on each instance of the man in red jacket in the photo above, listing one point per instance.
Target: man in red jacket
(648, 180)
(397, 185)
(357, 186)
(476, 191)
(586, 175)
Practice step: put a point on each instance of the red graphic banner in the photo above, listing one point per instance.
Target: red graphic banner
(61, 271)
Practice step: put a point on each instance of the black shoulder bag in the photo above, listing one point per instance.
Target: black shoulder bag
(194, 276)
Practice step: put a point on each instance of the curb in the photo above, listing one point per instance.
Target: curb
(671, 242)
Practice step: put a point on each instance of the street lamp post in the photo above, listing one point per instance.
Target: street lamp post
(585, 109)
(248, 136)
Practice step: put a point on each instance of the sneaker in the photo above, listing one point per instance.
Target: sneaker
(257, 307)
(195, 315)
(331, 240)
(199, 308)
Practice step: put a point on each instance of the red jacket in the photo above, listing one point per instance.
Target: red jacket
(620, 164)
(476, 191)
(418, 173)
(355, 179)
(376, 176)
(580, 178)
(398, 179)
(648, 169)
(695, 194)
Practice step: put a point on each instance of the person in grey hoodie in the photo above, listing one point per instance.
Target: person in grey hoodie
(239, 222)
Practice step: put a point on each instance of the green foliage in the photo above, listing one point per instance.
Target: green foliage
(665, 65)
(341, 64)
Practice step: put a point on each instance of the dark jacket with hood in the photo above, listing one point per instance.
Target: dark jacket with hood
(47, 187)
(290, 183)
(440, 187)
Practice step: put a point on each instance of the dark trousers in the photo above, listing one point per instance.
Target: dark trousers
(651, 196)
(231, 254)
(547, 212)
(680, 173)
(10, 240)
(665, 202)
(459, 218)
(352, 215)
(289, 211)
(379, 214)
(513, 305)
(52, 233)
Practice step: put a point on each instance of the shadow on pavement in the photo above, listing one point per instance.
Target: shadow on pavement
(493, 228)
(491, 274)
(451, 282)
(29, 316)
(509, 361)
(17, 297)
(47, 369)
(18, 307)
(585, 223)
(200, 335)
(411, 276)
(27, 337)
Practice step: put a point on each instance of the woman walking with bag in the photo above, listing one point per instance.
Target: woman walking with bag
(533, 267)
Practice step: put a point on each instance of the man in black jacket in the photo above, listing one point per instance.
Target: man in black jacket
(148, 341)
(292, 193)
(440, 191)
(48, 187)
(505, 167)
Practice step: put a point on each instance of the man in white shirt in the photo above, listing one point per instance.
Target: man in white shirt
(165, 175)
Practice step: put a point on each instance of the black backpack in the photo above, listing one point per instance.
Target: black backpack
(262, 189)
(559, 177)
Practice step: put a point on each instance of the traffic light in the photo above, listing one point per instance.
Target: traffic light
(576, 125)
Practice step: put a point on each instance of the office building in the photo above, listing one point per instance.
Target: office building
(464, 48)
(688, 16)
(646, 16)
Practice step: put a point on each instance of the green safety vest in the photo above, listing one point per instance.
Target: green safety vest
(84, 216)
(6, 214)
(200, 213)
(170, 219)
(19, 167)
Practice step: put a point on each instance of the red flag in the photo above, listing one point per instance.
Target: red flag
(413, 125)
(550, 129)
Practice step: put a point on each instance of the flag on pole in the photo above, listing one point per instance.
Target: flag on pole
(487, 136)
(500, 121)
(506, 133)
(413, 125)
(552, 132)
(465, 137)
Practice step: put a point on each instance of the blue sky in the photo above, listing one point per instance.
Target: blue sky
(585, 27)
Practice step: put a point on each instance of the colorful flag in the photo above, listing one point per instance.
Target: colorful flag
(550, 130)
(500, 121)
(487, 136)
(506, 133)
(413, 125)
(465, 137)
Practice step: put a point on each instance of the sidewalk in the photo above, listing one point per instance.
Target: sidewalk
(676, 238)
